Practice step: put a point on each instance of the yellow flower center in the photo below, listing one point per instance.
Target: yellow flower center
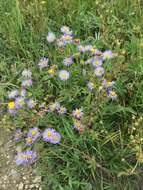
(64, 75)
(25, 156)
(25, 73)
(21, 101)
(78, 111)
(92, 50)
(34, 133)
(60, 43)
(27, 83)
(29, 140)
(11, 105)
(108, 83)
(30, 156)
(19, 157)
(49, 133)
(44, 62)
(67, 37)
(62, 109)
(99, 71)
(50, 37)
(96, 62)
(107, 55)
(113, 93)
(55, 138)
(18, 134)
(78, 124)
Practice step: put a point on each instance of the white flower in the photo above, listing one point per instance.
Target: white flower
(66, 30)
(51, 37)
(64, 75)
(43, 62)
(67, 61)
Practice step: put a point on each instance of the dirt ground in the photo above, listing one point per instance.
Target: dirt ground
(13, 177)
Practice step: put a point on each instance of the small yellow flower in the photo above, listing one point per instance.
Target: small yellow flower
(11, 105)
(78, 124)
(51, 71)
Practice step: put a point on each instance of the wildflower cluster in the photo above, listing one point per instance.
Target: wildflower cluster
(29, 156)
(77, 115)
(50, 135)
(89, 55)
(32, 136)
(82, 62)
(19, 99)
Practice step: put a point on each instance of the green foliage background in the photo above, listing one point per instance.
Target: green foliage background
(109, 156)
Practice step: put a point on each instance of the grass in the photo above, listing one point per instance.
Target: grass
(109, 155)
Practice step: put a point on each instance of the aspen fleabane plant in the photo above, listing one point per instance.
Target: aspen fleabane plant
(69, 73)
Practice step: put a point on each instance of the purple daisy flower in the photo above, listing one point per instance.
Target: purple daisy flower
(19, 102)
(81, 48)
(77, 125)
(108, 84)
(90, 86)
(47, 134)
(60, 43)
(64, 75)
(96, 62)
(32, 156)
(56, 138)
(31, 103)
(78, 113)
(23, 92)
(112, 94)
(51, 37)
(68, 61)
(29, 140)
(43, 63)
(54, 106)
(95, 51)
(13, 94)
(34, 132)
(107, 54)
(26, 83)
(19, 158)
(18, 134)
(25, 157)
(62, 110)
(66, 30)
(67, 39)
(26, 73)
(99, 71)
